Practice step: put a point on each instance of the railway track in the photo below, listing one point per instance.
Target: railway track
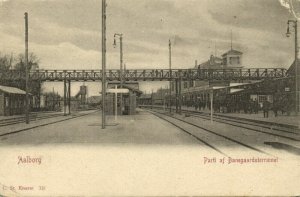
(12, 121)
(175, 122)
(283, 132)
(264, 124)
(294, 136)
(45, 124)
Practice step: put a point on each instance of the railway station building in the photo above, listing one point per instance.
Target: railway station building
(232, 59)
(225, 92)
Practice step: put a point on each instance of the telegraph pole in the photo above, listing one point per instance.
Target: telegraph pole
(26, 68)
(103, 61)
(170, 71)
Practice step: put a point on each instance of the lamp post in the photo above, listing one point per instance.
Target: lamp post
(288, 33)
(121, 66)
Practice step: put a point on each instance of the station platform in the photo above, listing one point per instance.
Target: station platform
(138, 154)
(141, 129)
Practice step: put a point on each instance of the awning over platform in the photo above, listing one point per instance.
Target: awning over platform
(12, 90)
(235, 90)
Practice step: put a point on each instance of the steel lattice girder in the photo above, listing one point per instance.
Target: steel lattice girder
(148, 74)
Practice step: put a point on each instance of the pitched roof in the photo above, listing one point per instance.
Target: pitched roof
(12, 90)
(232, 52)
(291, 69)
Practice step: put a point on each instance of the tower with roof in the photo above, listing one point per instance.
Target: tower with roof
(232, 59)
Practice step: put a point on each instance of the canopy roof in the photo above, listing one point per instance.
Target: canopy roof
(12, 90)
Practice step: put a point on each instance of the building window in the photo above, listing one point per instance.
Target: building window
(262, 98)
(224, 61)
(230, 60)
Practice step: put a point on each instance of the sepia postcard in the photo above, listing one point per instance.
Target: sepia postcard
(149, 98)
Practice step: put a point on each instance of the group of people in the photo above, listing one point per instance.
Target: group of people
(248, 106)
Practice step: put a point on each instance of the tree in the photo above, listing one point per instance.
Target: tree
(18, 64)
(52, 101)
(5, 62)
(33, 62)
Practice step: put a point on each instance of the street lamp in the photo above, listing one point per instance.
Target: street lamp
(121, 65)
(288, 33)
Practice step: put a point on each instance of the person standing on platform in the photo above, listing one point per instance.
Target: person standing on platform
(250, 106)
(266, 107)
(276, 106)
(196, 105)
(256, 106)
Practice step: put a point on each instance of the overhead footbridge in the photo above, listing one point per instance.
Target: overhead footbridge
(148, 74)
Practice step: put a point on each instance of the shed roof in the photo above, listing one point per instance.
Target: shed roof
(12, 90)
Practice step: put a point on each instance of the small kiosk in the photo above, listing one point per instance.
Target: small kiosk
(128, 99)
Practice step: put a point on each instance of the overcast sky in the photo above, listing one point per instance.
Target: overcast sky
(66, 34)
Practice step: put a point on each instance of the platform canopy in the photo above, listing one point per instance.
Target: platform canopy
(11, 90)
(235, 90)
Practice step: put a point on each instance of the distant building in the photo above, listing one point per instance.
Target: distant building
(232, 59)
(82, 94)
(212, 63)
(158, 98)
(200, 90)
(146, 99)
(94, 100)
(35, 67)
